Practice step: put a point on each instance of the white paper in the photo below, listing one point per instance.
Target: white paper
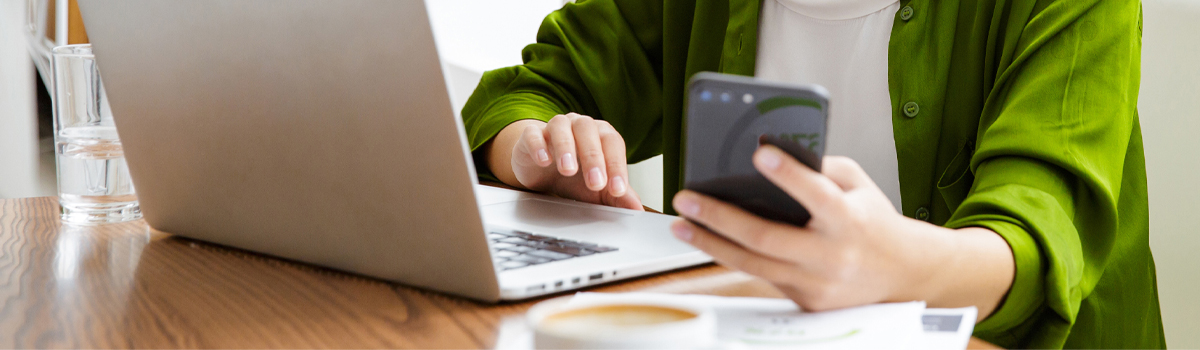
(765, 323)
(762, 323)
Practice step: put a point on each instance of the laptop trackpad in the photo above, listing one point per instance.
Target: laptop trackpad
(547, 214)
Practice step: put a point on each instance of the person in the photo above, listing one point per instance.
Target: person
(1001, 153)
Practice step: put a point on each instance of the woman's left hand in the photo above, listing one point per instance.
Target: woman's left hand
(856, 250)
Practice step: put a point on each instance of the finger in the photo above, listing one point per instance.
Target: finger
(815, 191)
(766, 237)
(731, 255)
(534, 141)
(614, 159)
(845, 172)
(591, 153)
(562, 142)
(630, 200)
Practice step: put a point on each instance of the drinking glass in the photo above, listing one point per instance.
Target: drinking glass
(93, 180)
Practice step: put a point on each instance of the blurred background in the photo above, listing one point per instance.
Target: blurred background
(475, 36)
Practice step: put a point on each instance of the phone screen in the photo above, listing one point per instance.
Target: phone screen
(728, 117)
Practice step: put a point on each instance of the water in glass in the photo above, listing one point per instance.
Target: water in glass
(93, 177)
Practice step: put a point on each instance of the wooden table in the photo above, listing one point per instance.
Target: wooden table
(128, 286)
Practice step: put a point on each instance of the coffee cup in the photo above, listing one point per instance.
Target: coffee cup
(563, 324)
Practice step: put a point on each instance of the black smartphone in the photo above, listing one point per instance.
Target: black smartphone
(728, 117)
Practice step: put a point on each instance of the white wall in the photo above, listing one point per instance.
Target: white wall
(18, 118)
(1170, 112)
(475, 36)
(487, 34)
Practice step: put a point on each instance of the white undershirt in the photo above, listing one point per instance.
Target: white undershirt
(842, 45)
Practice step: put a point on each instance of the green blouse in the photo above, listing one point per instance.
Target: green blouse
(1015, 115)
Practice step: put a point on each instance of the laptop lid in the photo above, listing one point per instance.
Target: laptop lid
(314, 130)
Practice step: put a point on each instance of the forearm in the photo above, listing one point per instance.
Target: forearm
(970, 266)
(499, 151)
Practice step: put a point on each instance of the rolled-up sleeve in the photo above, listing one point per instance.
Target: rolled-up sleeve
(1048, 168)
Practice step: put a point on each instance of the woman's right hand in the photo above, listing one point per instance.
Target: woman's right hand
(573, 156)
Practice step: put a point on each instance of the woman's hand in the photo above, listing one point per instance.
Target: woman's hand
(856, 250)
(573, 156)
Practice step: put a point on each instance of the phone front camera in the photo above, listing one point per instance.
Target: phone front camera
(725, 97)
(706, 95)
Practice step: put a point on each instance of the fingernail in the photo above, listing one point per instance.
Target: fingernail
(568, 162)
(543, 156)
(682, 232)
(768, 159)
(686, 206)
(595, 178)
(618, 186)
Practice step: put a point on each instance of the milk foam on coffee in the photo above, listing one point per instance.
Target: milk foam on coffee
(588, 321)
(561, 324)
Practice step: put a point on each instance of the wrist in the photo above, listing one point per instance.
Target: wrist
(929, 249)
(971, 266)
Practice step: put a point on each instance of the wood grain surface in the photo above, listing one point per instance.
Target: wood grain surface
(128, 286)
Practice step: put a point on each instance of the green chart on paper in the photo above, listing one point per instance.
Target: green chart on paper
(790, 330)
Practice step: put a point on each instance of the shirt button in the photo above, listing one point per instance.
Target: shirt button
(922, 214)
(906, 13)
(911, 109)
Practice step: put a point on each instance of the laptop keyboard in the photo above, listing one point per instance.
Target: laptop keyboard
(517, 249)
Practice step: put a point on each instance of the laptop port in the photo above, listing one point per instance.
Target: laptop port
(595, 276)
(558, 284)
(575, 280)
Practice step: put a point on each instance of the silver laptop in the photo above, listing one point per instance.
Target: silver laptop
(322, 132)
